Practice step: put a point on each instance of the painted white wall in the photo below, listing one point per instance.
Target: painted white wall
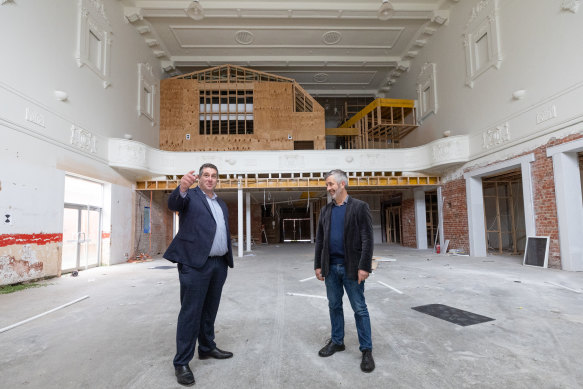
(122, 223)
(538, 45)
(37, 149)
(39, 42)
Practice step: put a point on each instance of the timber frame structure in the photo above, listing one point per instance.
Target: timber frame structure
(299, 181)
(231, 108)
(380, 125)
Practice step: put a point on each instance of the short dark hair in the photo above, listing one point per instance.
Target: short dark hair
(204, 165)
(339, 176)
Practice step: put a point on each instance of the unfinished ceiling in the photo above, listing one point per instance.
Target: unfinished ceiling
(331, 47)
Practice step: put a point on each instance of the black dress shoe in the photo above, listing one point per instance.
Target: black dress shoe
(330, 349)
(367, 364)
(184, 375)
(215, 353)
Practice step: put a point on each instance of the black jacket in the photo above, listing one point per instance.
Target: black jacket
(197, 227)
(358, 239)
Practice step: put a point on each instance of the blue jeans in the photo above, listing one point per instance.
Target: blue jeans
(336, 282)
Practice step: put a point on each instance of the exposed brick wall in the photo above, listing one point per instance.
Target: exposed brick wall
(409, 238)
(455, 219)
(545, 206)
(160, 237)
(455, 215)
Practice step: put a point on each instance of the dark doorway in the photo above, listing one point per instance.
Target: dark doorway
(391, 220)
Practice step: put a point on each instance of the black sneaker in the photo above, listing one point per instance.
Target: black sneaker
(330, 349)
(367, 364)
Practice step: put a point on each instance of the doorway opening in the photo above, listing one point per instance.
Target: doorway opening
(431, 217)
(82, 220)
(391, 220)
(295, 224)
(504, 213)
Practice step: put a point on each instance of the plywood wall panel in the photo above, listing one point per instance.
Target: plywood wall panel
(274, 119)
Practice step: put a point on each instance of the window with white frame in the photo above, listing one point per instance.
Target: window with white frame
(94, 39)
(482, 40)
(427, 91)
(147, 92)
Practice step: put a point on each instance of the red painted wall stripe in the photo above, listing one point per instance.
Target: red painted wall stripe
(38, 239)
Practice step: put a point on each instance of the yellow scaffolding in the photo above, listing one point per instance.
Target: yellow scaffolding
(380, 125)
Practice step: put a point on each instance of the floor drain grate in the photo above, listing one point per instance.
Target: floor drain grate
(453, 315)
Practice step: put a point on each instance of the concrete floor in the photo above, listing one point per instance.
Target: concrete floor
(275, 322)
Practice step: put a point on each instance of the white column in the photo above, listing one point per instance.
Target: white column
(569, 209)
(420, 219)
(311, 222)
(476, 222)
(248, 219)
(240, 220)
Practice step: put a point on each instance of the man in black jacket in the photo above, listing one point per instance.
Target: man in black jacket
(344, 247)
(202, 249)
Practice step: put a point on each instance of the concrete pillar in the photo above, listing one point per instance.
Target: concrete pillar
(420, 219)
(248, 219)
(569, 209)
(240, 220)
(527, 197)
(476, 222)
(311, 222)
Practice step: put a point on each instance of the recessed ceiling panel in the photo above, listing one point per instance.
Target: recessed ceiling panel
(275, 36)
(330, 77)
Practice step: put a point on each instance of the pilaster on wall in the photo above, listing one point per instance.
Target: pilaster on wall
(569, 194)
(455, 215)
(545, 204)
(420, 219)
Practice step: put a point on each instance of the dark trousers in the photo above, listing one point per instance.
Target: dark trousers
(200, 295)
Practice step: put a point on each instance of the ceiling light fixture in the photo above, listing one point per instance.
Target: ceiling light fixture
(195, 10)
(386, 10)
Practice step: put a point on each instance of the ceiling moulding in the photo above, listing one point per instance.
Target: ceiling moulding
(440, 17)
(132, 15)
(296, 11)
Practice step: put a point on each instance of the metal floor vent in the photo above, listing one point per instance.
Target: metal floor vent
(453, 315)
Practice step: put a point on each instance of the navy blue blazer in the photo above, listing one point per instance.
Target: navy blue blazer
(197, 227)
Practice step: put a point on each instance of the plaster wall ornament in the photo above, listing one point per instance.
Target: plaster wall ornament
(33, 116)
(546, 114)
(147, 92)
(83, 139)
(496, 136)
(477, 10)
(427, 91)
(441, 151)
(571, 5)
(481, 37)
(131, 153)
(94, 29)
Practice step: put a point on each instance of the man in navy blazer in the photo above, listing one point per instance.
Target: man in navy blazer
(202, 251)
